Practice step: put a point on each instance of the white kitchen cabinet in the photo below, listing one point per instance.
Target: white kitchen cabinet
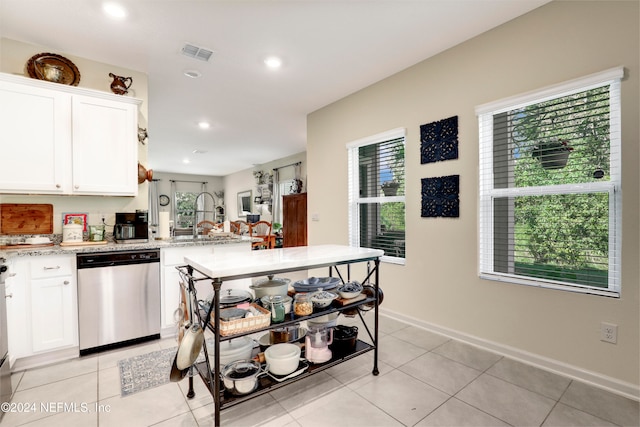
(170, 282)
(170, 279)
(17, 321)
(36, 138)
(60, 139)
(105, 150)
(44, 310)
(54, 309)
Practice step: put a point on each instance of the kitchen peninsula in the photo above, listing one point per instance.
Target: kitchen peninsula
(43, 310)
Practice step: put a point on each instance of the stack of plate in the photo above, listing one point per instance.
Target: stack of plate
(313, 284)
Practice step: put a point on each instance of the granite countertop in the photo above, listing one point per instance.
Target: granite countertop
(111, 246)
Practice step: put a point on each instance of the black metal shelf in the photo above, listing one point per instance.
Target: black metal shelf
(267, 384)
(291, 319)
(207, 369)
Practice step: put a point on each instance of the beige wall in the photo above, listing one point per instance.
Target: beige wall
(244, 180)
(93, 75)
(439, 285)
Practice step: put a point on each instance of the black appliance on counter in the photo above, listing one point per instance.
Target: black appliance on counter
(131, 227)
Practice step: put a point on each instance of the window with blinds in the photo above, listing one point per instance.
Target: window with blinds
(376, 194)
(550, 201)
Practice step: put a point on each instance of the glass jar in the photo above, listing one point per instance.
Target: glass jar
(276, 306)
(96, 233)
(302, 305)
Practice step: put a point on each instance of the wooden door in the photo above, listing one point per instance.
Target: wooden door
(294, 223)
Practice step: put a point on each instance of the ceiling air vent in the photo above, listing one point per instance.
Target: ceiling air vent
(196, 52)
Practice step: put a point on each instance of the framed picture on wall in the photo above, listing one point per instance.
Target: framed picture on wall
(244, 203)
(75, 218)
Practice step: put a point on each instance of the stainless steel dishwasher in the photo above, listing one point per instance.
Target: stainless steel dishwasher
(118, 298)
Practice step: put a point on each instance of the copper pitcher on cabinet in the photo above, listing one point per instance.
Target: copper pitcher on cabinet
(120, 85)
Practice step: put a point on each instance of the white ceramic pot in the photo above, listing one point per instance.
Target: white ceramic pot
(270, 286)
(235, 349)
(282, 359)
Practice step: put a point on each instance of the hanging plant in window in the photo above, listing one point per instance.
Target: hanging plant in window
(390, 188)
(552, 154)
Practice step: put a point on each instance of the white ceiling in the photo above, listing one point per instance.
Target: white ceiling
(329, 49)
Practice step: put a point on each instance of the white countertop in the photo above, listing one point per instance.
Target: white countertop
(254, 263)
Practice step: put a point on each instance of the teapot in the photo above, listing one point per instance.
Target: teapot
(120, 85)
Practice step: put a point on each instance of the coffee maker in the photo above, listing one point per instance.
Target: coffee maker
(131, 227)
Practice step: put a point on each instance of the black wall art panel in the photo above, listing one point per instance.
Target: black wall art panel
(439, 140)
(441, 196)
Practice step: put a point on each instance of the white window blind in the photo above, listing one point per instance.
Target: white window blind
(550, 200)
(376, 194)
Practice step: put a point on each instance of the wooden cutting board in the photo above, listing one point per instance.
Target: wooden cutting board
(21, 218)
(84, 243)
(26, 246)
(342, 301)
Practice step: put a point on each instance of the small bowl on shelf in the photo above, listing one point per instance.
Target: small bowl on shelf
(350, 290)
(322, 299)
(313, 283)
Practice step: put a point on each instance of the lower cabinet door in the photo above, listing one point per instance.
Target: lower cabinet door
(53, 324)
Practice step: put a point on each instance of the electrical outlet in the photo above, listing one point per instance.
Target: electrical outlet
(608, 332)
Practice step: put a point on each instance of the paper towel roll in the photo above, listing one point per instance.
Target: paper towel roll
(163, 225)
(226, 227)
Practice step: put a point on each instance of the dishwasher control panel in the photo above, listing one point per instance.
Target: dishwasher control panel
(102, 259)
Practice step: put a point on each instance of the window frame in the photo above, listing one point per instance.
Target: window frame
(354, 187)
(180, 213)
(487, 193)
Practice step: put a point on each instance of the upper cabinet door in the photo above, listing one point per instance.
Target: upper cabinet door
(35, 138)
(105, 147)
(61, 139)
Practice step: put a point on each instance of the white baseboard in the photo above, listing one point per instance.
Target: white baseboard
(623, 388)
(48, 358)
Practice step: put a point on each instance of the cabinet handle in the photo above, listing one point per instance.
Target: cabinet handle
(66, 282)
(58, 186)
(76, 186)
(57, 267)
(8, 296)
(11, 274)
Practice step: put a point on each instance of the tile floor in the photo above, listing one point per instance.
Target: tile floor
(425, 380)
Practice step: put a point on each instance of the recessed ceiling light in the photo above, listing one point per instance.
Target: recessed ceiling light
(114, 10)
(204, 125)
(194, 74)
(185, 161)
(273, 62)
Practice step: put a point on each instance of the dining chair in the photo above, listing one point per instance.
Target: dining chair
(206, 226)
(242, 227)
(261, 230)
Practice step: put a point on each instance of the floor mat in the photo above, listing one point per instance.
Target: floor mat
(145, 371)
